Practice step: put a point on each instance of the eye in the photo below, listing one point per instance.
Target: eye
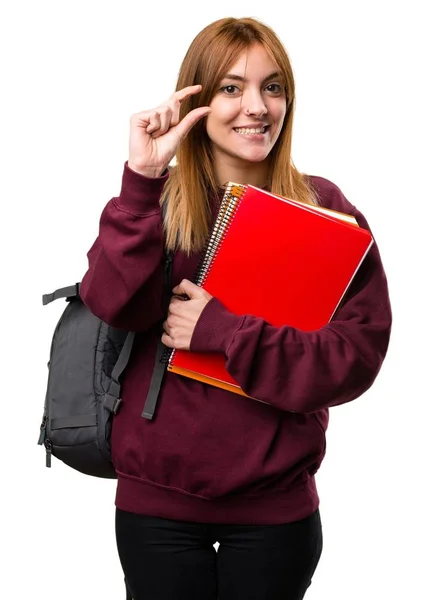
(230, 90)
(274, 88)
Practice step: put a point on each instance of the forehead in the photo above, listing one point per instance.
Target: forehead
(253, 63)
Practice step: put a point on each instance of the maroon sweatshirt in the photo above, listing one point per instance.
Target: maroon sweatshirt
(210, 455)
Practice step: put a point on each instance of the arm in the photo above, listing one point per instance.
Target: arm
(124, 283)
(306, 371)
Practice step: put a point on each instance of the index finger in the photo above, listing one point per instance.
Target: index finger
(186, 92)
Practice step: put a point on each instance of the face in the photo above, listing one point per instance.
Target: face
(248, 110)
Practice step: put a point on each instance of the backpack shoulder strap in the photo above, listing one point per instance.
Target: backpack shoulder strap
(71, 291)
(112, 398)
(162, 351)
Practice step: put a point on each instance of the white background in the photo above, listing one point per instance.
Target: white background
(369, 103)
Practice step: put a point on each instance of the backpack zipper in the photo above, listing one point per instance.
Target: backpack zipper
(48, 446)
(45, 441)
(42, 436)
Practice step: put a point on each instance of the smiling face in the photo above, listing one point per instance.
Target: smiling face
(248, 112)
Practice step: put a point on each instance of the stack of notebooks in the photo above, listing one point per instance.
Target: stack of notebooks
(284, 261)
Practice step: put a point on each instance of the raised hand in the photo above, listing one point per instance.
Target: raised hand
(156, 134)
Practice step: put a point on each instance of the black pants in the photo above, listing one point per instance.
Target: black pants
(176, 560)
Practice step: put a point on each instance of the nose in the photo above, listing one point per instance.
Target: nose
(253, 103)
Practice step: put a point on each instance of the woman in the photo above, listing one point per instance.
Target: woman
(213, 466)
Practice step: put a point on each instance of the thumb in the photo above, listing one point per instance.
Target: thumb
(190, 120)
(187, 288)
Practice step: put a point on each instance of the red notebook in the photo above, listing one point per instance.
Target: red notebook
(284, 261)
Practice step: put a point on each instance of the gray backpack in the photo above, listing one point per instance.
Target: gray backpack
(87, 360)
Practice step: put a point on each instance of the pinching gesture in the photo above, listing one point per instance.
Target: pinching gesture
(156, 134)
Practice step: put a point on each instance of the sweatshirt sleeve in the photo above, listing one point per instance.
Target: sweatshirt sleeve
(302, 371)
(124, 282)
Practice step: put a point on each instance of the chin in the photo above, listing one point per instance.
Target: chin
(257, 157)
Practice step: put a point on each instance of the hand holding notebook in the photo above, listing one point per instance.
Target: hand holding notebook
(185, 308)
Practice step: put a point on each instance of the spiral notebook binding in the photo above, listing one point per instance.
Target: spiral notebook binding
(213, 239)
(166, 355)
(210, 243)
(230, 203)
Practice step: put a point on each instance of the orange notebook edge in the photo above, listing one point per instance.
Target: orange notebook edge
(204, 379)
(342, 217)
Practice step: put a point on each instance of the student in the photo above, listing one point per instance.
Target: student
(213, 466)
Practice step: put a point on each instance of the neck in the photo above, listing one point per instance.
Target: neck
(242, 172)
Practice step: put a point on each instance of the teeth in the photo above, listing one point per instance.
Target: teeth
(249, 130)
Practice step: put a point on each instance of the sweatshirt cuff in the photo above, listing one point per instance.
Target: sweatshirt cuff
(140, 195)
(215, 328)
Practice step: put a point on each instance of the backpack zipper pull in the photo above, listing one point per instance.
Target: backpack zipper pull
(42, 435)
(48, 446)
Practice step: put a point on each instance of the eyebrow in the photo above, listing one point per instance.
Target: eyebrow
(234, 77)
